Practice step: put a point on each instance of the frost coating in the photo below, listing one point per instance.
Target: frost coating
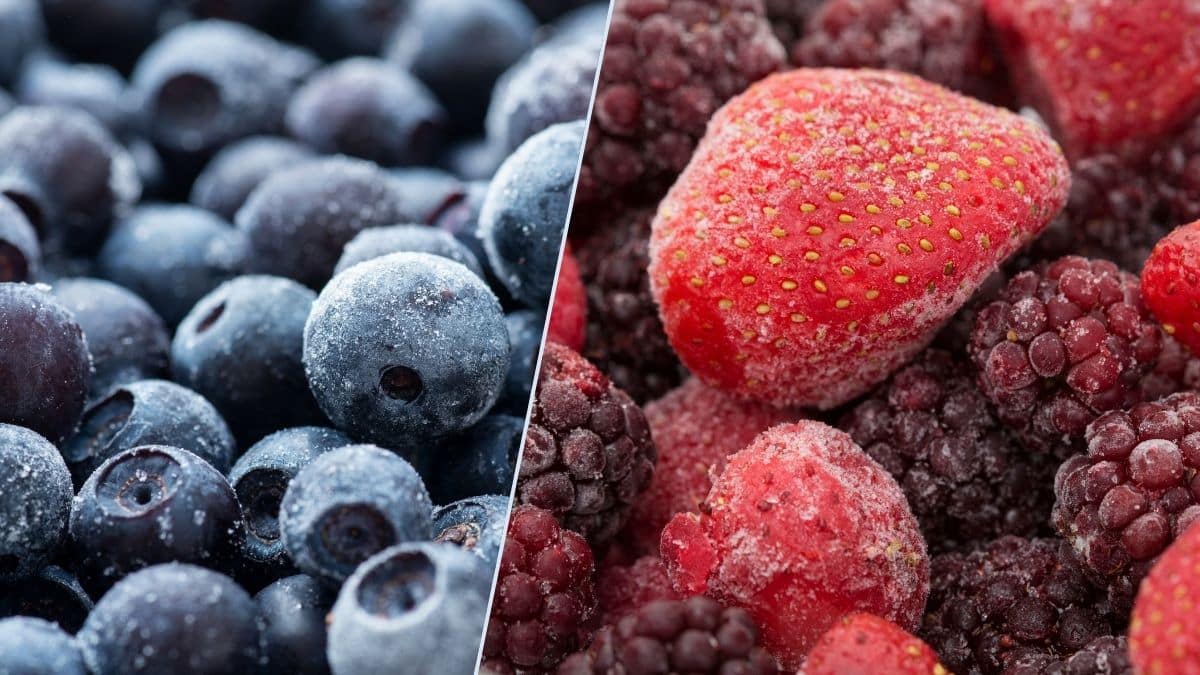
(552, 84)
(35, 501)
(377, 242)
(31, 646)
(238, 169)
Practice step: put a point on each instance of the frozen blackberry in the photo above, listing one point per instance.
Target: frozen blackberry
(544, 599)
(696, 635)
(1011, 601)
(965, 477)
(1065, 342)
(1108, 655)
(623, 589)
(1133, 492)
(667, 67)
(789, 18)
(588, 452)
(625, 337)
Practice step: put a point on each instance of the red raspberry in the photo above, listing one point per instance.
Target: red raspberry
(832, 220)
(1171, 284)
(1163, 637)
(544, 600)
(568, 318)
(622, 589)
(800, 529)
(864, 644)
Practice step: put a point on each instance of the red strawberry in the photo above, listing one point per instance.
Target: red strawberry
(864, 644)
(1103, 72)
(1163, 635)
(568, 320)
(832, 220)
(1171, 284)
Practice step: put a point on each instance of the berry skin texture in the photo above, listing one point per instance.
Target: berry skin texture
(1081, 64)
(20, 254)
(588, 450)
(293, 611)
(475, 525)
(233, 174)
(801, 272)
(568, 318)
(479, 461)
(798, 517)
(862, 644)
(31, 646)
(376, 242)
(1171, 284)
(1162, 634)
(35, 501)
(624, 589)
(54, 595)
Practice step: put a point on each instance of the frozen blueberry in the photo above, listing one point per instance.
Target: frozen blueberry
(460, 218)
(429, 191)
(151, 170)
(479, 461)
(208, 83)
(524, 215)
(20, 254)
(367, 108)
(377, 242)
(148, 412)
(299, 219)
(149, 505)
(261, 477)
(404, 348)
(31, 646)
(241, 346)
(127, 339)
(21, 31)
(45, 369)
(476, 524)
(98, 90)
(339, 28)
(236, 170)
(473, 159)
(460, 47)
(548, 10)
(6, 103)
(553, 84)
(35, 498)
(293, 612)
(173, 255)
(525, 329)
(422, 605)
(111, 31)
(347, 505)
(54, 595)
(173, 619)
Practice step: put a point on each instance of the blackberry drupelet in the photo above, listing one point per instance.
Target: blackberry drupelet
(1108, 655)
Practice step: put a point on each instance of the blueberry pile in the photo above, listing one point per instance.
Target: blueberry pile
(273, 281)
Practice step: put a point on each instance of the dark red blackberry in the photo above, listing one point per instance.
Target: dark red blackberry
(544, 600)
(1066, 341)
(668, 66)
(696, 635)
(966, 479)
(1134, 491)
(1176, 168)
(588, 452)
(625, 337)
(1108, 655)
(789, 18)
(1010, 602)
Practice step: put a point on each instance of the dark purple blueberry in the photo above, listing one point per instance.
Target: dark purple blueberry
(226, 183)
(475, 524)
(148, 412)
(429, 191)
(111, 31)
(460, 217)
(367, 108)
(20, 253)
(479, 461)
(549, 10)
(21, 31)
(472, 159)
(525, 328)
(293, 612)
(347, 505)
(98, 90)
(30, 646)
(377, 242)
(54, 595)
(339, 28)
(126, 338)
(553, 84)
(45, 368)
(35, 498)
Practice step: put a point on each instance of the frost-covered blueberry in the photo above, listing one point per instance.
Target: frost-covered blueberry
(299, 219)
(110, 31)
(525, 329)
(422, 605)
(479, 461)
(31, 646)
(551, 85)
(127, 339)
(233, 173)
(98, 90)
(461, 219)
(339, 28)
(54, 595)
(524, 215)
(6, 103)
(148, 412)
(475, 524)
(21, 31)
(377, 242)
(293, 612)
(406, 347)
(240, 347)
(429, 191)
(35, 499)
(149, 505)
(172, 255)
(261, 477)
(349, 504)
(45, 368)
(173, 618)
(20, 253)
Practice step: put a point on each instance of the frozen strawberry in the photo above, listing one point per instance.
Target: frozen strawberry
(801, 529)
(1162, 636)
(1171, 284)
(568, 320)
(863, 644)
(832, 220)
(695, 429)
(1105, 74)
(621, 589)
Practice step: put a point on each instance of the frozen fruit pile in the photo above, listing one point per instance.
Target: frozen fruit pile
(273, 281)
(925, 223)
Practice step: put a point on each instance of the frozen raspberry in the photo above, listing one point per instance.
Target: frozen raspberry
(1134, 491)
(696, 636)
(861, 644)
(695, 429)
(965, 477)
(621, 589)
(1066, 341)
(544, 600)
(668, 66)
(800, 529)
(588, 451)
(625, 337)
(1014, 600)
(568, 317)
(1171, 284)
(1163, 632)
